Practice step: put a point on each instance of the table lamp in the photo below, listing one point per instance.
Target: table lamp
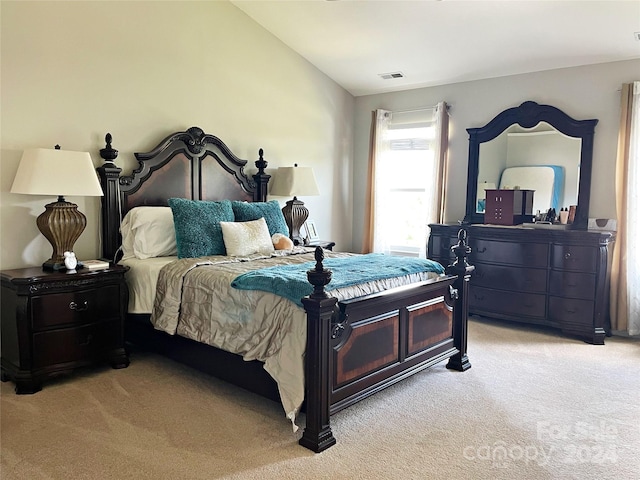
(58, 172)
(295, 181)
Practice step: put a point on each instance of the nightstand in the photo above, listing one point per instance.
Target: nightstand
(327, 245)
(54, 322)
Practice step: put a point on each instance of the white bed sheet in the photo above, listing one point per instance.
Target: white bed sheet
(142, 279)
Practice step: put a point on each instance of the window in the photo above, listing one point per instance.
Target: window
(407, 179)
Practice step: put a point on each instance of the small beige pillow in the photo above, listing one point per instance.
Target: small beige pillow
(148, 232)
(245, 238)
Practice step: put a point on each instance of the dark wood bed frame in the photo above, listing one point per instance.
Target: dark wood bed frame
(355, 348)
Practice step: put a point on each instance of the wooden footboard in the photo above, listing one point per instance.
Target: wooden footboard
(357, 347)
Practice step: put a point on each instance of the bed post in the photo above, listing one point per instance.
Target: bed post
(109, 176)
(463, 271)
(319, 306)
(261, 179)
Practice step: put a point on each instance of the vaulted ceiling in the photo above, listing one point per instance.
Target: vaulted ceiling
(439, 42)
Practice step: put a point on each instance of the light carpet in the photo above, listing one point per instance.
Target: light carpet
(534, 405)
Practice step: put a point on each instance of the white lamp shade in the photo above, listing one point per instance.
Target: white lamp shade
(45, 171)
(294, 181)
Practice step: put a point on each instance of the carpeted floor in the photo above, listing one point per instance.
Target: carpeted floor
(535, 405)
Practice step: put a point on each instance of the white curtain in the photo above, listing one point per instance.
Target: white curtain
(633, 214)
(625, 275)
(381, 210)
(409, 151)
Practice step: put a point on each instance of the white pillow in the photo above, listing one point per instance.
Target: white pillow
(244, 238)
(148, 232)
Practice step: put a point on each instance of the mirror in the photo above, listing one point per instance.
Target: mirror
(536, 147)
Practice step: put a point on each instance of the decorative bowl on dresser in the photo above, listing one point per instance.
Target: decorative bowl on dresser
(54, 322)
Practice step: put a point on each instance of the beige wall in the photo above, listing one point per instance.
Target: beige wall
(581, 92)
(73, 71)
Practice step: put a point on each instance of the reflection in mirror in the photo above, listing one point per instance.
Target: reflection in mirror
(539, 158)
(533, 147)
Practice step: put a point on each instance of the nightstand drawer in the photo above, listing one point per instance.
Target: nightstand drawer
(77, 307)
(72, 344)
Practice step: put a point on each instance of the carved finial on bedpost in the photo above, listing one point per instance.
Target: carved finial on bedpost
(463, 271)
(261, 163)
(319, 306)
(461, 250)
(319, 277)
(109, 175)
(261, 179)
(107, 153)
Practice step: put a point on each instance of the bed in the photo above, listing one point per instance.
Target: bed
(356, 340)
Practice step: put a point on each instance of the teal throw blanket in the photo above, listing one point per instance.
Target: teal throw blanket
(290, 281)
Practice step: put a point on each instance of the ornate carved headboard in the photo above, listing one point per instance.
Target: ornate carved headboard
(190, 164)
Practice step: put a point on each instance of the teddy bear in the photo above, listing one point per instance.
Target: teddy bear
(281, 242)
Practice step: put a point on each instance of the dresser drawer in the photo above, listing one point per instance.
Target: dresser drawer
(509, 303)
(528, 280)
(66, 345)
(81, 306)
(441, 248)
(574, 257)
(509, 253)
(573, 284)
(571, 311)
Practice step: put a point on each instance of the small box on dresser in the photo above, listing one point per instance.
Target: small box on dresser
(508, 207)
(55, 322)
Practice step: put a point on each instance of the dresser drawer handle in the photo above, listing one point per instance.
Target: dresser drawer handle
(481, 250)
(87, 341)
(79, 308)
(570, 311)
(478, 297)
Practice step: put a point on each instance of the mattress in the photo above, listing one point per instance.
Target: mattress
(142, 279)
(547, 181)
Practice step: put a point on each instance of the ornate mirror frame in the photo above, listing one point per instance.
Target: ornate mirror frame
(528, 115)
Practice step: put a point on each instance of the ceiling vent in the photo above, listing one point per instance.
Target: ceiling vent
(389, 76)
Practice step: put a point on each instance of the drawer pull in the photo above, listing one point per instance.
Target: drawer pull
(478, 297)
(481, 250)
(79, 308)
(87, 341)
(570, 311)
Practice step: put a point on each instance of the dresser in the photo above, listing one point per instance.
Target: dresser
(557, 278)
(55, 322)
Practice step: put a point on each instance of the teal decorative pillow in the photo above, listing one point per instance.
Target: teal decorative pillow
(197, 224)
(270, 211)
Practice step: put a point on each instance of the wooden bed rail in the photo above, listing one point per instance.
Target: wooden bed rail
(321, 307)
